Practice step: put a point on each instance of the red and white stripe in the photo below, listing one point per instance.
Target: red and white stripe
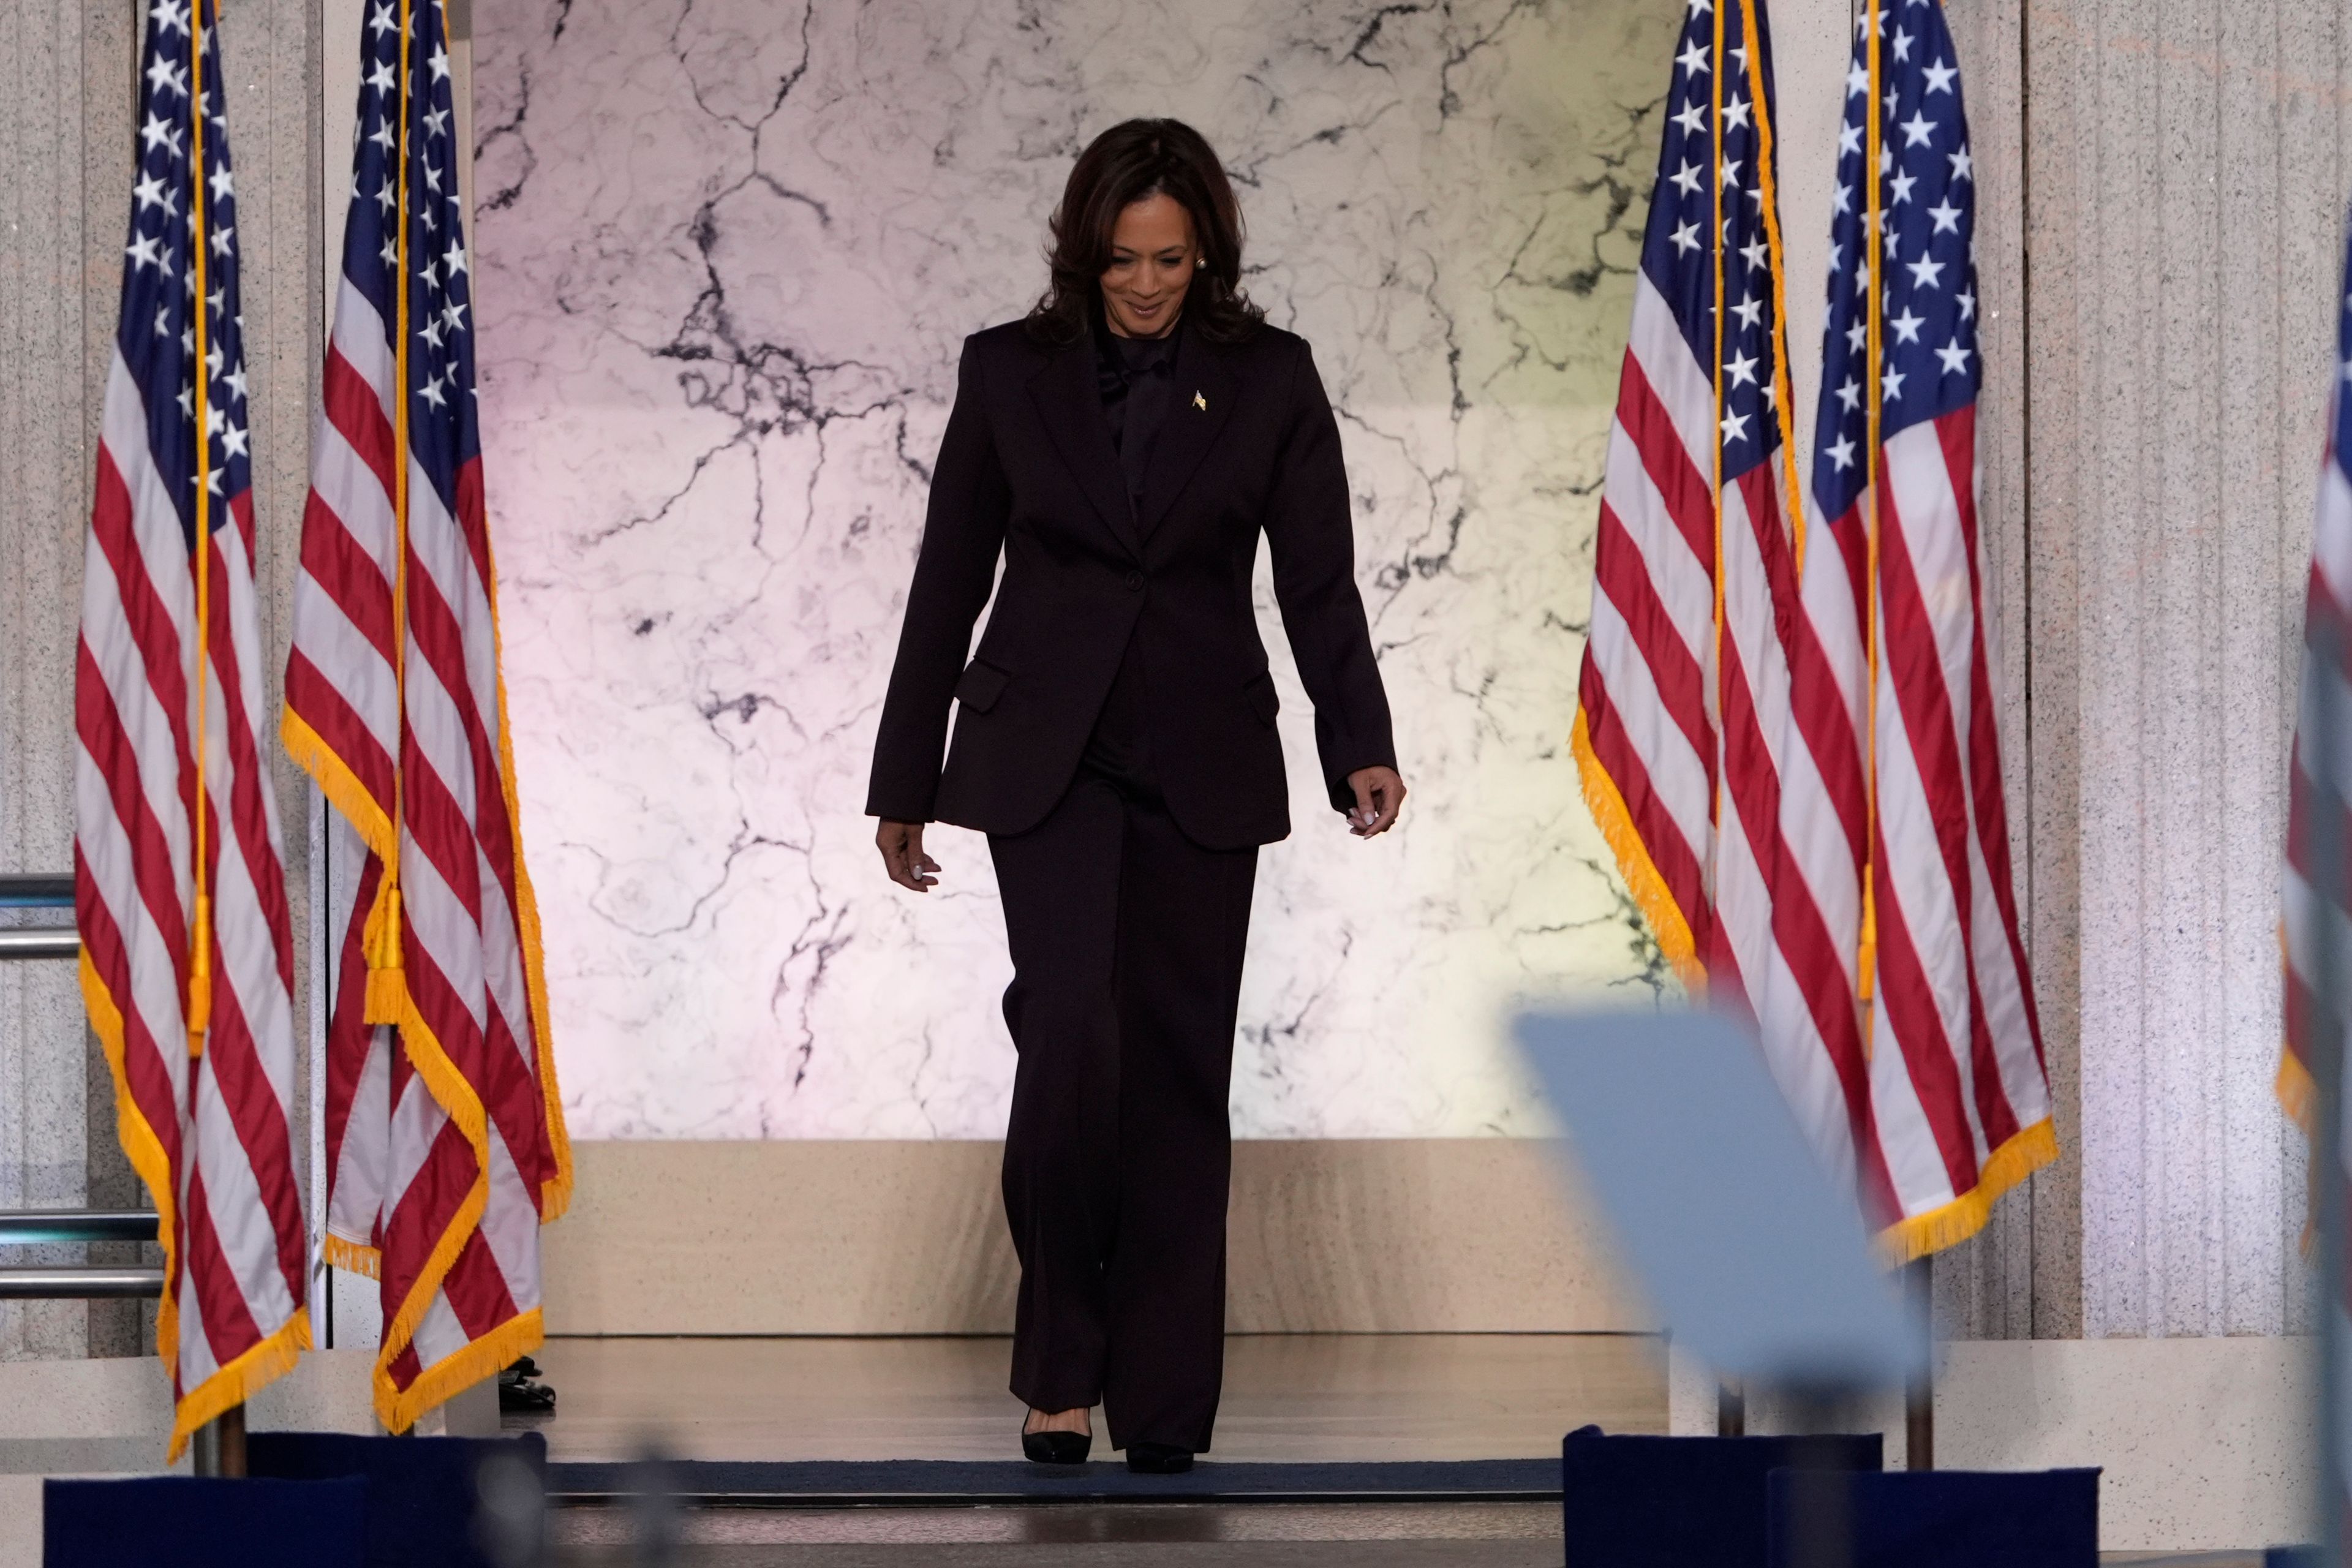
(208, 1134)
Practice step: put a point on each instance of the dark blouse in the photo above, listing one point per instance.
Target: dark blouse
(1138, 378)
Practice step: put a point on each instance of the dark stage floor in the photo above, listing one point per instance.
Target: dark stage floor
(1305, 1398)
(1360, 1398)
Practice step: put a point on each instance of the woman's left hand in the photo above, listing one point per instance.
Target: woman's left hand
(1379, 795)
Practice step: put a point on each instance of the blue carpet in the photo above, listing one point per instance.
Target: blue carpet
(909, 1481)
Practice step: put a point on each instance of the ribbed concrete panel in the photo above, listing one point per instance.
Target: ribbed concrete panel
(1989, 1288)
(2186, 208)
(66, 80)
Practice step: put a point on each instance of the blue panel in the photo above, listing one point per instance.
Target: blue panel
(422, 1491)
(200, 1522)
(1937, 1519)
(1748, 1253)
(1671, 1502)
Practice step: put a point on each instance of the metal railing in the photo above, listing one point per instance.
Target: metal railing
(45, 1228)
(21, 892)
(86, 1283)
(32, 942)
(39, 1227)
(18, 892)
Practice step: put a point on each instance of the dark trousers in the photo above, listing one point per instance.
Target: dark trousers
(1127, 942)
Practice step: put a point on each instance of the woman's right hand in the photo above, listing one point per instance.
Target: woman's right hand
(901, 844)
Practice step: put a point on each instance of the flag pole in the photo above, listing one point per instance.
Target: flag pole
(1866, 957)
(1730, 1410)
(1730, 1399)
(387, 987)
(1715, 433)
(1919, 1393)
(200, 956)
(217, 1447)
(220, 1442)
(1784, 398)
(2327, 857)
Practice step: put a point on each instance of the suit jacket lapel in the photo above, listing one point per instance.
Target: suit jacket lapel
(1071, 401)
(1205, 390)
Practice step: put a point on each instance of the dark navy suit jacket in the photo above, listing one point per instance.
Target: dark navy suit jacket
(1026, 472)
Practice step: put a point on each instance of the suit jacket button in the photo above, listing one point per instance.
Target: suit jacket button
(1135, 582)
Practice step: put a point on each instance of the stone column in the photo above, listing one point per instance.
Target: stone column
(69, 69)
(2185, 198)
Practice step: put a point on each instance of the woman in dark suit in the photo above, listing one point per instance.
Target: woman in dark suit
(1120, 451)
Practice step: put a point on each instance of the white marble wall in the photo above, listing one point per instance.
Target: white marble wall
(726, 252)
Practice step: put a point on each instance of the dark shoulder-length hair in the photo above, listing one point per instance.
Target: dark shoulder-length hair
(1126, 163)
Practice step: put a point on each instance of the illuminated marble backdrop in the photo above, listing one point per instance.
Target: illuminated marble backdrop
(726, 251)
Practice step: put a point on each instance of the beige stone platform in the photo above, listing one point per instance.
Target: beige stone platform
(864, 1237)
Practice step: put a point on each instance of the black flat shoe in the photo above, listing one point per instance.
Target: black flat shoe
(1158, 1459)
(1057, 1448)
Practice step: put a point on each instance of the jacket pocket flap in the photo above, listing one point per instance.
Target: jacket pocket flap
(1264, 701)
(981, 685)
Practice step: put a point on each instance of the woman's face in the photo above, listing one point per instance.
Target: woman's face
(1152, 257)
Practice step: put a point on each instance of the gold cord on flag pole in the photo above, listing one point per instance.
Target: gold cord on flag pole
(387, 987)
(1783, 397)
(1715, 438)
(1866, 957)
(200, 957)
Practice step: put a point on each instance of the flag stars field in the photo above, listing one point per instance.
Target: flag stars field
(161, 247)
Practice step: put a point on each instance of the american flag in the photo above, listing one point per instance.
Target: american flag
(179, 881)
(445, 1141)
(1894, 643)
(2318, 939)
(1853, 902)
(1684, 688)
